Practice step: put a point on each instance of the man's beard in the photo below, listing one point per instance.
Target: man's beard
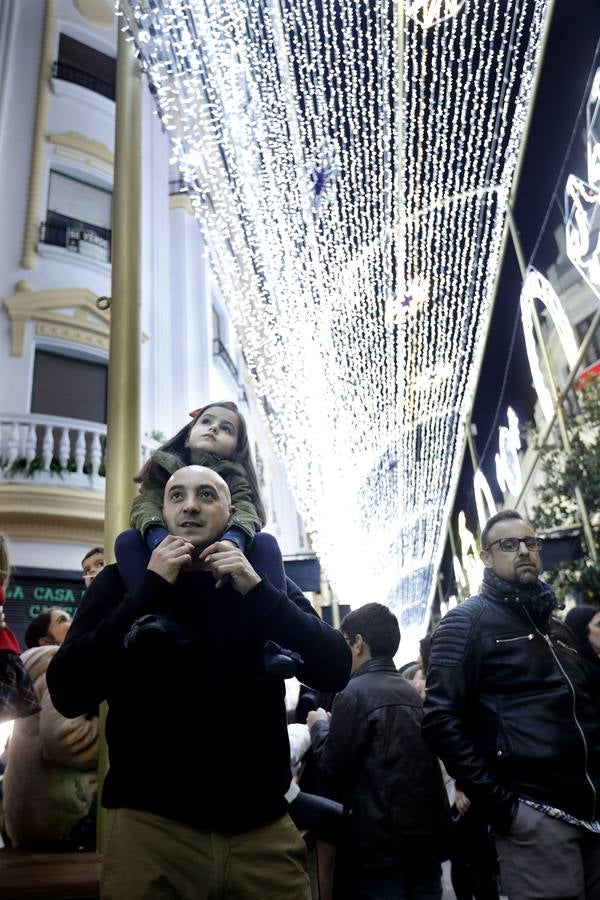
(526, 575)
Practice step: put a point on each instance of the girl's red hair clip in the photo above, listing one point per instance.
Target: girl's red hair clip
(196, 412)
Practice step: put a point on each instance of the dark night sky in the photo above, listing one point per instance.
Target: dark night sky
(569, 60)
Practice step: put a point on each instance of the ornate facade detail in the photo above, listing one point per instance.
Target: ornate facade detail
(85, 150)
(98, 12)
(71, 314)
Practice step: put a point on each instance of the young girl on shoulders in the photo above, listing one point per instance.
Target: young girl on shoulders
(216, 437)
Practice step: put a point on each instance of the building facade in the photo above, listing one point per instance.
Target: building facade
(57, 122)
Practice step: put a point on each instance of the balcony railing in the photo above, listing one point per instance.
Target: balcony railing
(88, 240)
(66, 72)
(54, 450)
(220, 350)
(178, 186)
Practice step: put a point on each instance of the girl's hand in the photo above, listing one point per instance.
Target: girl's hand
(230, 564)
(170, 557)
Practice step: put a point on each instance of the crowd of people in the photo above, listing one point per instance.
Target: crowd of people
(486, 752)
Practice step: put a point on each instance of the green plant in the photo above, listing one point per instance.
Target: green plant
(556, 504)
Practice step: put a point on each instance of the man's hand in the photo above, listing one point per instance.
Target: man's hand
(462, 803)
(218, 547)
(317, 715)
(232, 564)
(170, 557)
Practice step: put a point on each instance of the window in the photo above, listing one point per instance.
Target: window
(69, 387)
(300, 524)
(216, 324)
(83, 65)
(79, 217)
(260, 466)
(592, 354)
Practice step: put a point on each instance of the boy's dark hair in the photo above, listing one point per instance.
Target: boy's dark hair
(92, 552)
(38, 627)
(378, 626)
(499, 517)
(151, 474)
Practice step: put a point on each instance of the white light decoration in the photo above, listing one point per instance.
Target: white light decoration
(484, 499)
(508, 464)
(354, 222)
(471, 563)
(431, 12)
(593, 133)
(583, 229)
(536, 287)
(582, 201)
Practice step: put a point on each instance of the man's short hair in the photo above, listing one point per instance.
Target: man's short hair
(499, 517)
(378, 626)
(92, 552)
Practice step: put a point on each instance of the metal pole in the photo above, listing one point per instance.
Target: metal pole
(123, 420)
(472, 449)
(556, 397)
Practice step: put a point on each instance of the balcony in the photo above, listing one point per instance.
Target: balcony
(50, 450)
(66, 72)
(78, 237)
(52, 477)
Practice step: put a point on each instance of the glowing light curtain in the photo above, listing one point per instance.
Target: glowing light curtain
(350, 172)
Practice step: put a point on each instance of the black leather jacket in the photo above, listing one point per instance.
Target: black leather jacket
(392, 784)
(509, 708)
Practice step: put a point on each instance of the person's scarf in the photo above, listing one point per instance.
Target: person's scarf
(537, 598)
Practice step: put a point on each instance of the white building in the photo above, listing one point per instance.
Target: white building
(57, 121)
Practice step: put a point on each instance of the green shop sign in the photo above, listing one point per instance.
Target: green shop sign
(32, 591)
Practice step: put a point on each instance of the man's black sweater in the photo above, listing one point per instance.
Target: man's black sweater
(197, 733)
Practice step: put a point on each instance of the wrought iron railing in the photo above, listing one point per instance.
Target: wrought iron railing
(88, 240)
(66, 72)
(220, 350)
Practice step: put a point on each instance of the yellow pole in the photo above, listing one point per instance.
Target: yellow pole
(123, 420)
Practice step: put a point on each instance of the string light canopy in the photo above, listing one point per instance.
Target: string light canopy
(349, 166)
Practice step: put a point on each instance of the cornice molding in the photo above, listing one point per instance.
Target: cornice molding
(57, 514)
(98, 12)
(88, 151)
(71, 314)
(181, 201)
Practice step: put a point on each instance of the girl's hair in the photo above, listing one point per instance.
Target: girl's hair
(38, 627)
(152, 474)
(4, 561)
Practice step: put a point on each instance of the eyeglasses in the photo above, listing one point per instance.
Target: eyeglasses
(510, 544)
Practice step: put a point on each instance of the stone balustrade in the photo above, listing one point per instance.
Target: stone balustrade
(54, 450)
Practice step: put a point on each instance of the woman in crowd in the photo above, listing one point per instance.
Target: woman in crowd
(50, 781)
(584, 622)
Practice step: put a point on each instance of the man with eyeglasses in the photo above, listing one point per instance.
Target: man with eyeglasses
(509, 711)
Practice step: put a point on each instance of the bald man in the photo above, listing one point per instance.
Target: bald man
(199, 755)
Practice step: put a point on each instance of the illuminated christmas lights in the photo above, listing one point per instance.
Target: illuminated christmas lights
(431, 12)
(536, 287)
(354, 223)
(582, 201)
(508, 464)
